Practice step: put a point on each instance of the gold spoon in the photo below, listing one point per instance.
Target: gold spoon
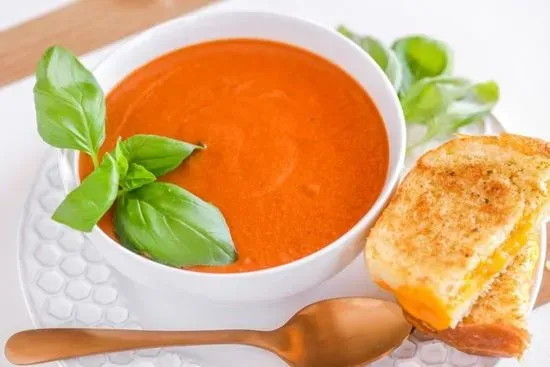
(333, 333)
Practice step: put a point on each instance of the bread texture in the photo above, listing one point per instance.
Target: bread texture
(457, 221)
(496, 325)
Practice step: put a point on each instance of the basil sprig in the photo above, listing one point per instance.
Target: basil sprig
(161, 220)
(430, 96)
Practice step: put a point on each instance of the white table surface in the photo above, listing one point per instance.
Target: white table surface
(506, 40)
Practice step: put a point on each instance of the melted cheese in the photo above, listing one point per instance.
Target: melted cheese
(425, 305)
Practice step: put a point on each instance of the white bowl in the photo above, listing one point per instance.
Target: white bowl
(281, 281)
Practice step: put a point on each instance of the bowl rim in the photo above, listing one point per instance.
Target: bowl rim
(392, 177)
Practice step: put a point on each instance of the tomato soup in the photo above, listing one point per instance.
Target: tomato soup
(296, 150)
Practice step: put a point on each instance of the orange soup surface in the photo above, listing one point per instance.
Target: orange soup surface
(296, 151)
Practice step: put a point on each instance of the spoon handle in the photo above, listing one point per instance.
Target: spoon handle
(44, 345)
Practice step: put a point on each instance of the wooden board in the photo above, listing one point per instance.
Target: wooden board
(82, 27)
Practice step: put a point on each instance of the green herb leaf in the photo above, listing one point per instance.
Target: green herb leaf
(421, 57)
(173, 226)
(475, 105)
(445, 104)
(136, 177)
(69, 103)
(487, 92)
(157, 154)
(345, 31)
(60, 68)
(132, 176)
(431, 96)
(121, 160)
(384, 57)
(86, 204)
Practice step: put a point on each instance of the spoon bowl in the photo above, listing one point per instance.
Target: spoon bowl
(342, 332)
(332, 333)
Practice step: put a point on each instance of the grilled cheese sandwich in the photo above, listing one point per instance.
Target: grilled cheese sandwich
(456, 222)
(496, 325)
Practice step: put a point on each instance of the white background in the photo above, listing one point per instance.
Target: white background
(504, 40)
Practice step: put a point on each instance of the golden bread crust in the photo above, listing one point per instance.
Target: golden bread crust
(440, 215)
(492, 340)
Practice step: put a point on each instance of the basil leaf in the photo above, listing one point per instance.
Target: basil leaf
(173, 226)
(476, 105)
(157, 154)
(132, 176)
(459, 114)
(86, 204)
(69, 103)
(431, 96)
(136, 177)
(383, 56)
(60, 68)
(487, 92)
(121, 160)
(444, 105)
(421, 57)
(345, 31)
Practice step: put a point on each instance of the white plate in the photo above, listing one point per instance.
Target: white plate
(66, 282)
(538, 353)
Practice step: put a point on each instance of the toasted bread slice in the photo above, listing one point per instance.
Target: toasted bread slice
(456, 222)
(496, 325)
